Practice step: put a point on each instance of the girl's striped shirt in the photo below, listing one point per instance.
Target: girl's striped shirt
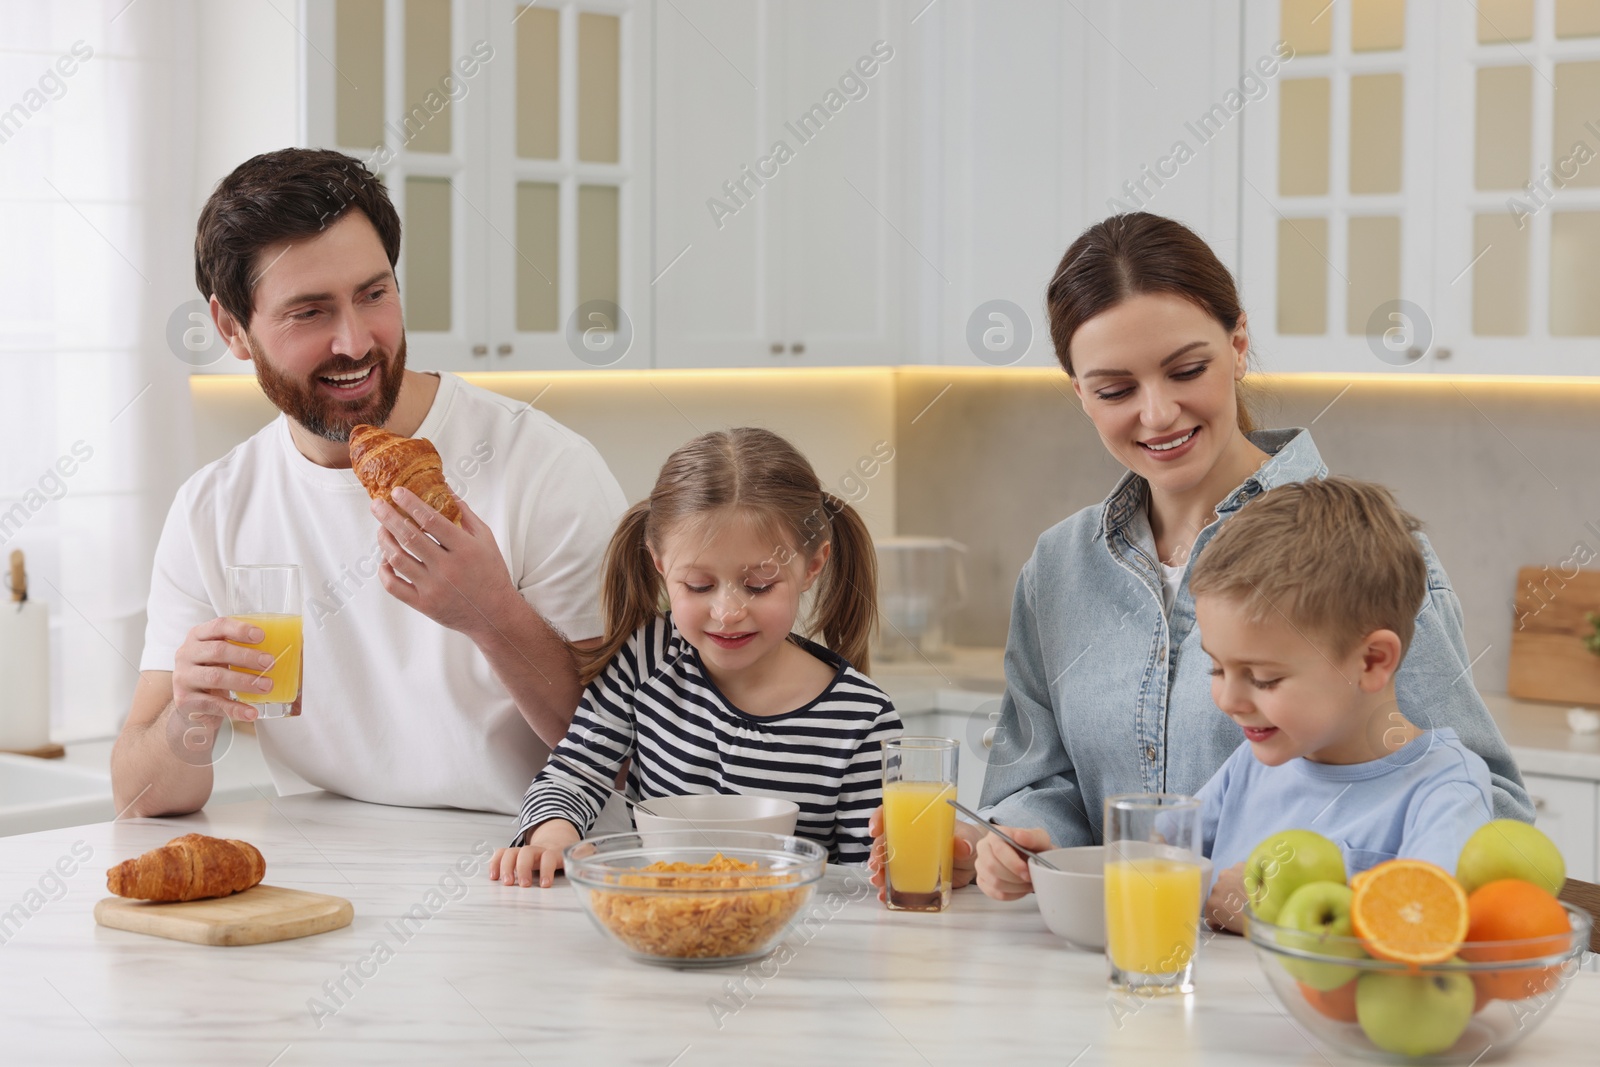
(655, 703)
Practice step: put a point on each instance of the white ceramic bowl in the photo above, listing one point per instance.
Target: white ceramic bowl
(719, 811)
(1073, 899)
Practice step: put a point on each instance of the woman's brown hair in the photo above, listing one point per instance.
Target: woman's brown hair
(1132, 254)
(746, 473)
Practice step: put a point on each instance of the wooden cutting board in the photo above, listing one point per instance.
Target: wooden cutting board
(1549, 660)
(258, 915)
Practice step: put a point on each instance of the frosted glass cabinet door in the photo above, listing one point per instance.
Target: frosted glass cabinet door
(513, 138)
(568, 171)
(401, 86)
(1336, 224)
(1518, 204)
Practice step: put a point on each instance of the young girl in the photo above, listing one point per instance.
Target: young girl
(720, 695)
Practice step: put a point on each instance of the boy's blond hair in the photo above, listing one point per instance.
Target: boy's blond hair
(1335, 556)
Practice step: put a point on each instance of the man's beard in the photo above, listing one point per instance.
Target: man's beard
(326, 416)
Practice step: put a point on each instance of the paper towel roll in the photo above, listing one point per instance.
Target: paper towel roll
(24, 675)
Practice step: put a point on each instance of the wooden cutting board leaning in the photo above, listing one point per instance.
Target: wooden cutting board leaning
(260, 914)
(1549, 660)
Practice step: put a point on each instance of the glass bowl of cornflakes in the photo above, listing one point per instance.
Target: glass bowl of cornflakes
(695, 897)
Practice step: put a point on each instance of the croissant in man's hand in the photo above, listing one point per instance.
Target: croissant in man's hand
(383, 460)
(190, 867)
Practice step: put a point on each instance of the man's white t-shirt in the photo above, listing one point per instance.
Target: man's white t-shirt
(395, 708)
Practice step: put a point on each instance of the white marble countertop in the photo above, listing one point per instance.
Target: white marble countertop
(500, 975)
(1541, 741)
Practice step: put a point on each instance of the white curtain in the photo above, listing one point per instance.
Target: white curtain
(97, 209)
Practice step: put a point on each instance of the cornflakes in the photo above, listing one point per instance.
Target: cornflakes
(736, 915)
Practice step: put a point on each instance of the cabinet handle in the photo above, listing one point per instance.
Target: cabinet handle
(777, 348)
(502, 349)
(798, 348)
(1539, 803)
(1441, 353)
(480, 350)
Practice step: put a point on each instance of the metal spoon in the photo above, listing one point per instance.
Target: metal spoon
(1002, 835)
(595, 780)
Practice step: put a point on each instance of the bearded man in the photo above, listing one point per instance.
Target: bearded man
(437, 666)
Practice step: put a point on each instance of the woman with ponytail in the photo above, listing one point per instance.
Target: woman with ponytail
(704, 682)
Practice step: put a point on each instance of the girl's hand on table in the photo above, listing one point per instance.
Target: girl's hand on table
(1225, 906)
(1002, 870)
(965, 853)
(542, 854)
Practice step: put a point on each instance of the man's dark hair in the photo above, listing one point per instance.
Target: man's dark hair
(281, 196)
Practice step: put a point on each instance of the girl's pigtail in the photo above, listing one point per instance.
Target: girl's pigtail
(629, 591)
(846, 610)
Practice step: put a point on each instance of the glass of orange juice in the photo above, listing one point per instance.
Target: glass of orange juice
(1153, 885)
(919, 828)
(268, 596)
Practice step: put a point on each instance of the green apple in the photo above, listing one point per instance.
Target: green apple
(1413, 1014)
(1283, 863)
(1507, 848)
(1316, 918)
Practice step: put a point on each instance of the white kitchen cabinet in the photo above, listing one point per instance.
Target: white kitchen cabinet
(781, 212)
(1398, 213)
(1566, 810)
(1045, 119)
(1005, 192)
(920, 214)
(515, 142)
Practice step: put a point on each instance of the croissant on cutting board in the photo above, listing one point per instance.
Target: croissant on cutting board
(190, 867)
(383, 460)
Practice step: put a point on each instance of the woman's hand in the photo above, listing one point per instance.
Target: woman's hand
(963, 850)
(1225, 906)
(1002, 870)
(515, 866)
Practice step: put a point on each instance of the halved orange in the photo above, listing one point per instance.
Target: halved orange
(1409, 911)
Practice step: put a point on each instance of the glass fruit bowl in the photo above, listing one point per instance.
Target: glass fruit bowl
(695, 897)
(1491, 993)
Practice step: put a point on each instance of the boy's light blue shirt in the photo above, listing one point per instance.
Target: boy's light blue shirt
(1420, 802)
(1108, 693)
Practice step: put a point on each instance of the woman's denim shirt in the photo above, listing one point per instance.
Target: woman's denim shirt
(1105, 694)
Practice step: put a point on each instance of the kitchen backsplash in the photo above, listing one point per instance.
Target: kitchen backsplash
(1502, 473)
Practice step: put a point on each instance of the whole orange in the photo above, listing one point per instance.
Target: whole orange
(1515, 920)
(1337, 1004)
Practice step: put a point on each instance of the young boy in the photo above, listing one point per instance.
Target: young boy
(1306, 601)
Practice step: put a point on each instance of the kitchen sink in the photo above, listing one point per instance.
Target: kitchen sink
(38, 794)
